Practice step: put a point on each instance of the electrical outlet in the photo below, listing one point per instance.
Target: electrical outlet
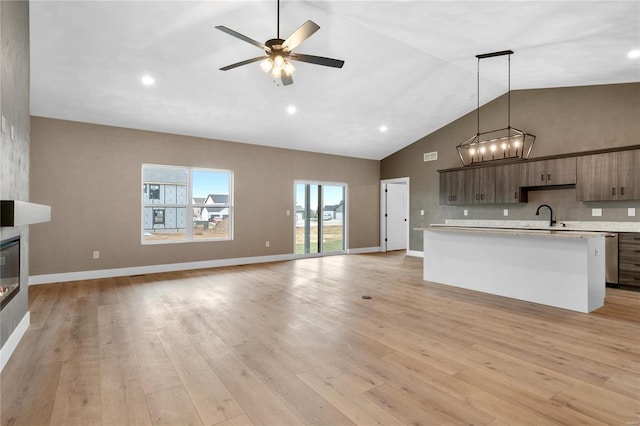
(631, 211)
(421, 212)
(267, 244)
(505, 212)
(597, 252)
(288, 212)
(96, 255)
(466, 212)
(596, 212)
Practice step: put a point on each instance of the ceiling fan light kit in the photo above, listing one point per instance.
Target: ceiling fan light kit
(495, 145)
(279, 52)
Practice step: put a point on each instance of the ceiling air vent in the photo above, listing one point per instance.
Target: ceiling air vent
(430, 156)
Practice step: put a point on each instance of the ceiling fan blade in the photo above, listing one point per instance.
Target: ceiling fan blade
(286, 79)
(242, 37)
(318, 60)
(239, 64)
(305, 31)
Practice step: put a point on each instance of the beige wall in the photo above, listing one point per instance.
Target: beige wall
(14, 153)
(91, 176)
(564, 120)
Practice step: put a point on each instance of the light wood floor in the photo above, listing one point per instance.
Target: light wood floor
(294, 343)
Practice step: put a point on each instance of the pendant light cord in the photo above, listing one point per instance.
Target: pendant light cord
(278, 24)
(478, 97)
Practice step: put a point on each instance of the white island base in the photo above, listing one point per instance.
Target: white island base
(555, 268)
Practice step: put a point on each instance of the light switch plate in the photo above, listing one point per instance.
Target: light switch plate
(13, 133)
(466, 212)
(505, 212)
(631, 211)
(596, 212)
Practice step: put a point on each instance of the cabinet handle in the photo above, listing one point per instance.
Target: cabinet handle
(549, 176)
(622, 190)
(477, 197)
(449, 198)
(515, 195)
(613, 191)
(542, 177)
(455, 197)
(482, 196)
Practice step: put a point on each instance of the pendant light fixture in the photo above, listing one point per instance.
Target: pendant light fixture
(495, 145)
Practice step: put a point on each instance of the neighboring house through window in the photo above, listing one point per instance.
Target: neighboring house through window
(169, 192)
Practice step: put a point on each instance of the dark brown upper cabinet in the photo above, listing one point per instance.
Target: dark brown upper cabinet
(508, 184)
(559, 171)
(609, 176)
(452, 187)
(480, 185)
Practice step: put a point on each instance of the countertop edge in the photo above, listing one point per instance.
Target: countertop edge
(561, 233)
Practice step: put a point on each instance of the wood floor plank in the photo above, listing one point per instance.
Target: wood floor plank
(156, 370)
(301, 399)
(121, 394)
(352, 404)
(209, 395)
(171, 407)
(259, 402)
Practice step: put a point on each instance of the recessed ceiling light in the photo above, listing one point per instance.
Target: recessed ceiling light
(634, 54)
(383, 128)
(291, 109)
(147, 80)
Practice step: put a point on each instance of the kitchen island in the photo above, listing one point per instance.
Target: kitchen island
(565, 269)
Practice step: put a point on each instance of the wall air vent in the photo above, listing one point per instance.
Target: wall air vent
(430, 156)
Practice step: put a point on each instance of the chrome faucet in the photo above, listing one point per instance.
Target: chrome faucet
(552, 221)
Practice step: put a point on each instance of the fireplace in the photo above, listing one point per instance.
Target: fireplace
(9, 269)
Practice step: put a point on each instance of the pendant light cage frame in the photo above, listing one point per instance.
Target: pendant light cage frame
(503, 144)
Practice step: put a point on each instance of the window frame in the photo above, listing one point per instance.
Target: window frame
(189, 206)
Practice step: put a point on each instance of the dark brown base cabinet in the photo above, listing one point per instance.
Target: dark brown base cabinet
(609, 176)
(629, 259)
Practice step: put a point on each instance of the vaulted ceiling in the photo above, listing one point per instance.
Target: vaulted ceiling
(410, 65)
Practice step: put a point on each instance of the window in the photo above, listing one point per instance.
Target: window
(182, 204)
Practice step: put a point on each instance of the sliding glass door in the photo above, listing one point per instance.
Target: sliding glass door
(320, 218)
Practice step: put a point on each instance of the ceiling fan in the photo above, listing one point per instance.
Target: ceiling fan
(279, 53)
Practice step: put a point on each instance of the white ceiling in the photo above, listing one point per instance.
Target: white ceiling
(410, 65)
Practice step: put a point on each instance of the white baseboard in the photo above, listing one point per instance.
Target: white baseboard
(362, 250)
(415, 253)
(152, 269)
(12, 342)
(171, 267)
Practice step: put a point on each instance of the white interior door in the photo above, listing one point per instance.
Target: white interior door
(396, 219)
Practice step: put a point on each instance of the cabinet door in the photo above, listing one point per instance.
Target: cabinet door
(561, 171)
(507, 184)
(481, 185)
(532, 173)
(628, 165)
(452, 187)
(597, 177)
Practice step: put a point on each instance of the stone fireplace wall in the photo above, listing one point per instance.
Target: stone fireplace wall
(14, 152)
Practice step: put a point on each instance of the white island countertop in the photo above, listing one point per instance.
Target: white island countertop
(533, 231)
(596, 226)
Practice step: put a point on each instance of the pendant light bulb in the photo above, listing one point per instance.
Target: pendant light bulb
(278, 62)
(266, 65)
(276, 72)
